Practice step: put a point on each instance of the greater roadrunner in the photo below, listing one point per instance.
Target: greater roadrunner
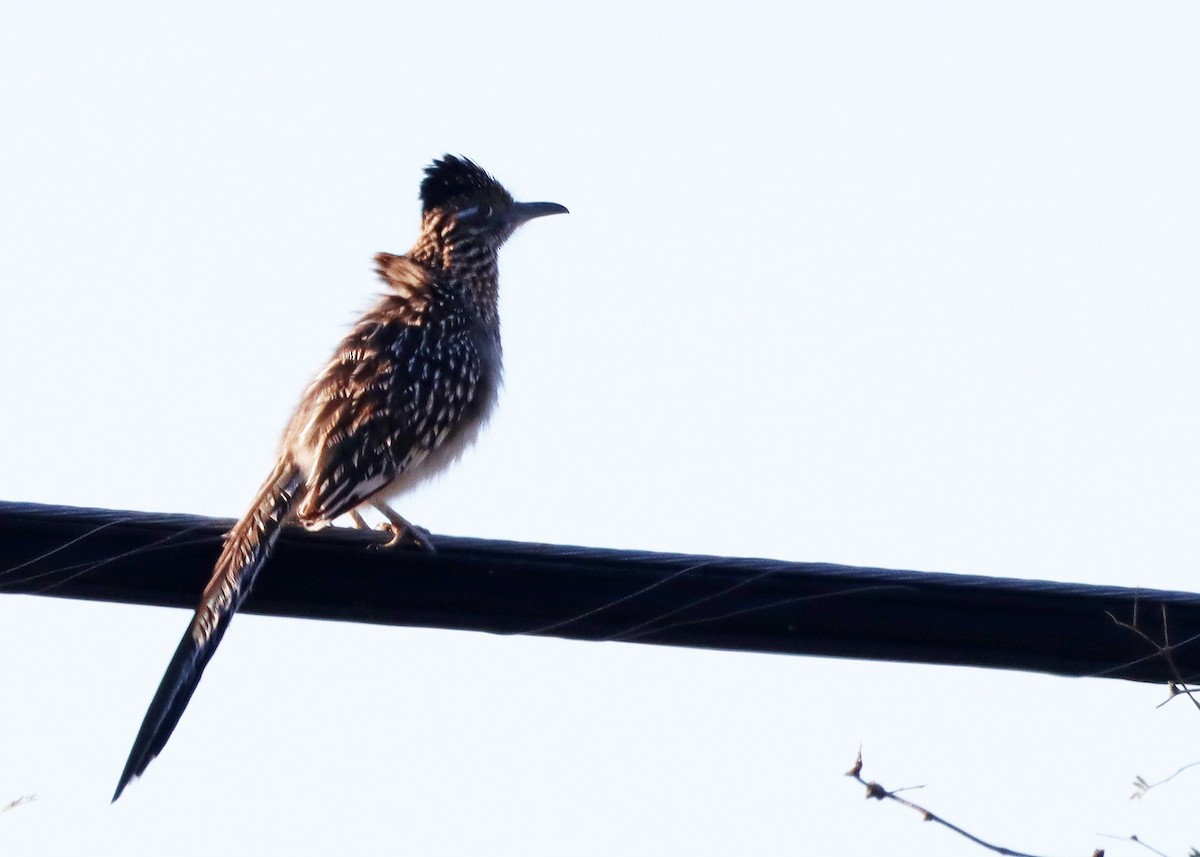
(405, 393)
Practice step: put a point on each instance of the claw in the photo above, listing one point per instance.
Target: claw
(403, 533)
(406, 536)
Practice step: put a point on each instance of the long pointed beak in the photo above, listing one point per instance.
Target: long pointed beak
(522, 211)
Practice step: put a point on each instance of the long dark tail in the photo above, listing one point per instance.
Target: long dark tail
(247, 547)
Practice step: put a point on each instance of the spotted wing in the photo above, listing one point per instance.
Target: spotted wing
(397, 388)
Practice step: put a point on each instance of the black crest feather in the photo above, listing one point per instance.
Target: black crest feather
(456, 182)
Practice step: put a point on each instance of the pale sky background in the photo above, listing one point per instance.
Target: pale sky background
(902, 284)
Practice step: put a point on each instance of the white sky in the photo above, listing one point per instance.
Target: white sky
(903, 284)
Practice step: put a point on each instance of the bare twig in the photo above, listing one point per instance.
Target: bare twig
(1165, 650)
(878, 792)
(16, 802)
(1143, 786)
(1133, 837)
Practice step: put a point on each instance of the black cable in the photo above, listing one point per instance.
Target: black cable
(593, 594)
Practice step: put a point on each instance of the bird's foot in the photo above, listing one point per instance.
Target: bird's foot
(403, 533)
(407, 535)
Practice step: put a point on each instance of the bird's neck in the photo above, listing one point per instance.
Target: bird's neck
(462, 261)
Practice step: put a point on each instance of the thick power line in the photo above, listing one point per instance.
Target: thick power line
(754, 605)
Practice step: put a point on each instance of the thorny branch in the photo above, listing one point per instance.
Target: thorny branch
(1177, 687)
(1165, 650)
(878, 792)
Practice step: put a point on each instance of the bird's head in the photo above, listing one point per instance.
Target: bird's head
(462, 202)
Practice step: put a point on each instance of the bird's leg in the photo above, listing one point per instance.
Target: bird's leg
(402, 531)
(359, 523)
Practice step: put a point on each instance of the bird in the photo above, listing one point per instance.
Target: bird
(405, 393)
